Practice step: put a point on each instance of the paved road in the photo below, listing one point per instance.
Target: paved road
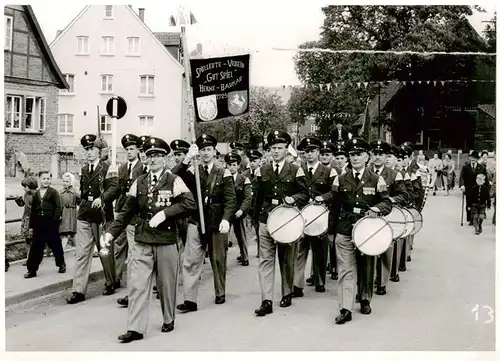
(430, 309)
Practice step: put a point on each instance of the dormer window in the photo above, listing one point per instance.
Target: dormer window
(108, 11)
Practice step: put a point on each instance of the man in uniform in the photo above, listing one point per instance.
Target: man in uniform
(340, 158)
(356, 193)
(382, 154)
(326, 154)
(142, 156)
(219, 205)
(180, 148)
(157, 199)
(127, 174)
(468, 180)
(277, 182)
(243, 190)
(240, 150)
(254, 157)
(99, 188)
(319, 179)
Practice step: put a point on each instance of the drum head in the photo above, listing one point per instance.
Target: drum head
(315, 219)
(418, 220)
(372, 236)
(410, 223)
(285, 224)
(397, 220)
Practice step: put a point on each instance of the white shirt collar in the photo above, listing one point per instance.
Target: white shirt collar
(96, 163)
(157, 174)
(381, 169)
(280, 165)
(210, 166)
(133, 163)
(361, 172)
(314, 167)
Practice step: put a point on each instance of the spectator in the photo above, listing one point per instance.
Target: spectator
(69, 201)
(30, 185)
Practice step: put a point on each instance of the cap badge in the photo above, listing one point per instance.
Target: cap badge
(153, 140)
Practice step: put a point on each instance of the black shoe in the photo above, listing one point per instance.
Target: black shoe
(320, 289)
(408, 259)
(167, 327)
(381, 291)
(395, 279)
(238, 258)
(365, 307)
(109, 290)
(297, 292)
(245, 263)
(7, 266)
(286, 301)
(158, 296)
(266, 308)
(219, 300)
(62, 269)
(402, 269)
(117, 284)
(187, 306)
(344, 316)
(471, 224)
(29, 274)
(230, 244)
(310, 281)
(76, 297)
(123, 301)
(335, 276)
(477, 233)
(130, 336)
(411, 248)
(357, 298)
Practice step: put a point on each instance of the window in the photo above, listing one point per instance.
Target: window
(41, 114)
(105, 123)
(65, 124)
(107, 45)
(13, 108)
(147, 85)
(108, 11)
(82, 44)
(106, 83)
(146, 121)
(8, 32)
(70, 79)
(28, 115)
(133, 46)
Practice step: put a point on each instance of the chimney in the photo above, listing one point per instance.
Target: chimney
(199, 48)
(141, 14)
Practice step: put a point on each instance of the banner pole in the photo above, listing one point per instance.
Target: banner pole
(190, 118)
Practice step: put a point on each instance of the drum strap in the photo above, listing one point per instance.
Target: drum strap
(373, 235)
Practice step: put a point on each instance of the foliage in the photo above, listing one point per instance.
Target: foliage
(490, 34)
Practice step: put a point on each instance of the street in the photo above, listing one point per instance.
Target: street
(430, 309)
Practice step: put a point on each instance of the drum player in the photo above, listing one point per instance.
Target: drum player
(318, 181)
(357, 193)
(381, 152)
(278, 182)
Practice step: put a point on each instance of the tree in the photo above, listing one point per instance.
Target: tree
(416, 28)
(490, 34)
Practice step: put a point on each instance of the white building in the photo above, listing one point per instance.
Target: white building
(108, 50)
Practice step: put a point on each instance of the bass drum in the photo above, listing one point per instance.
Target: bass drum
(285, 224)
(397, 221)
(315, 219)
(418, 220)
(372, 236)
(410, 223)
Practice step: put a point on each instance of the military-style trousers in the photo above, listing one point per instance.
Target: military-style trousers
(121, 248)
(397, 256)
(87, 235)
(267, 264)
(405, 250)
(194, 255)
(366, 276)
(347, 270)
(319, 247)
(384, 266)
(147, 260)
(332, 253)
(241, 236)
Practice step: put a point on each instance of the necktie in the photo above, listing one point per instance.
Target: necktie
(91, 168)
(277, 170)
(310, 172)
(155, 179)
(253, 174)
(206, 169)
(129, 168)
(356, 175)
(377, 171)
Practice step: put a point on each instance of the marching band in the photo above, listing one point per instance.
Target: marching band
(355, 205)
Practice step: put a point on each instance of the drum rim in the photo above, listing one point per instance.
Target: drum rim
(359, 221)
(285, 206)
(420, 222)
(305, 226)
(400, 210)
(404, 235)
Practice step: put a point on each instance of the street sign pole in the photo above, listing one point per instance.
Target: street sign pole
(114, 132)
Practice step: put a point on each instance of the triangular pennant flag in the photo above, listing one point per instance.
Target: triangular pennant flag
(428, 81)
(435, 82)
(365, 84)
(321, 87)
(192, 19)
(358, 84)
(412, 82)
(442, 82)
(336, 84)
(420, 81)
(328, 86)
(172, 21)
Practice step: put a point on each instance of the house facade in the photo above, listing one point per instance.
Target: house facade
(32, 80)
(108, 50)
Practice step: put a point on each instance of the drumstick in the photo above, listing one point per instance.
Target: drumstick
(378, 230)
(283, 225)
(317, 217)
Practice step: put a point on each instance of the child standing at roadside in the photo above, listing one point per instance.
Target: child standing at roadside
(30, 185)
(69, 201)
(480, 196)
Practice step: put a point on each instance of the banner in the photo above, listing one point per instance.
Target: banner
(220, 87)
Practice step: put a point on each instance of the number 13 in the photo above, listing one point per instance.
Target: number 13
(475, 311)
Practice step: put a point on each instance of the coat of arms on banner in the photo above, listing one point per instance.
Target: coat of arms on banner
(207, 107)
(237, 102)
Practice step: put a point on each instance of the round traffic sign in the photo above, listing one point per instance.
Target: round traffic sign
(120, 108)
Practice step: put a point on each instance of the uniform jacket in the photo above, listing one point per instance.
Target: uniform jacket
(271, 189)
(243, 191)
(124, 181)
(480, 196)
(219, 203)
(395, 185)
(468, 176)
(170, 196)
(46, 209)
(415, 189)
(98, 184)
(251, 175)
(351, 200)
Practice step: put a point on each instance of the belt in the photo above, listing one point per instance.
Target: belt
(275, 201)
(147, 217)
(68, 206)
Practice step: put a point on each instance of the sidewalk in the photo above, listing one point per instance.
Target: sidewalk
(48, 280)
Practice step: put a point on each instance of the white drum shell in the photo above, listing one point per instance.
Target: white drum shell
(397, 221)
(417, 219)
(315, 219)
(372, 235)
(410, 223)
(285, 224)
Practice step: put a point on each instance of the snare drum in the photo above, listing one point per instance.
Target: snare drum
(285, 224)
(372, 235)
(410, 223)
(417, 219)
(397, 221)
(315, 219)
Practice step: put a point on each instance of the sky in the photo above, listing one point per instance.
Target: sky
(230, 27)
